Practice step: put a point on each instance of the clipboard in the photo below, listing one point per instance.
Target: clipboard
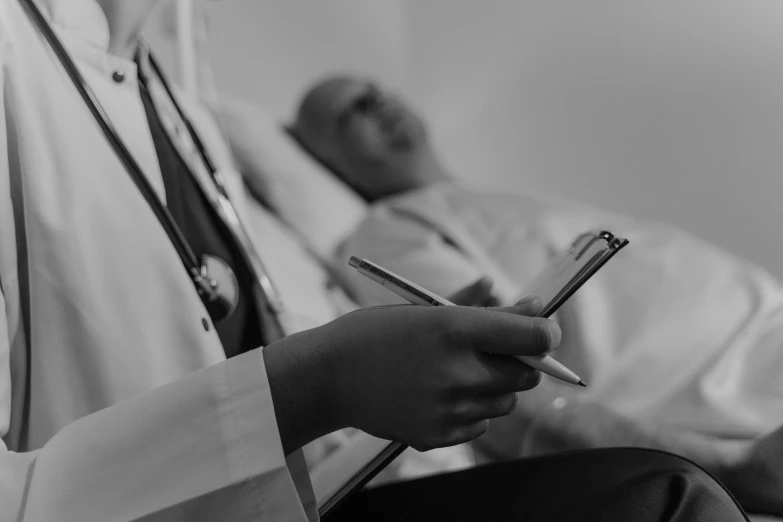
(565, 275)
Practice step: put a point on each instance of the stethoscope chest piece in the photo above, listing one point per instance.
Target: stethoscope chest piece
(218, 287)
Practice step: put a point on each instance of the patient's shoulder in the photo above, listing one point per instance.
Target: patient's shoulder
(385, 228)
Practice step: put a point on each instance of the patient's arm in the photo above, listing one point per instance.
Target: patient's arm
(548, 420)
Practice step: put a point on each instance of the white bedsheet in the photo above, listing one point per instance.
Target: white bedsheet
(673, 329)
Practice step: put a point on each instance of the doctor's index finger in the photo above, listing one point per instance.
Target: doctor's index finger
(498, 331)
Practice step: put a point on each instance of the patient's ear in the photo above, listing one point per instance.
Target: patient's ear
(290, 130)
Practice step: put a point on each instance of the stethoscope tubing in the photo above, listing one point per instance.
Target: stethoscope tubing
(225, 210)
(102, 119)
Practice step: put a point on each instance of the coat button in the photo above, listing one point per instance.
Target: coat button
(205, 323)
(118, 76)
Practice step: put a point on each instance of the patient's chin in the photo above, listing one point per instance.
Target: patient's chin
(406, 135)
(405, 141)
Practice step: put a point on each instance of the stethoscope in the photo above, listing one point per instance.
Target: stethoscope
(212, 277)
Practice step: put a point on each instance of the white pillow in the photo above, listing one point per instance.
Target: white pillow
(303, 193)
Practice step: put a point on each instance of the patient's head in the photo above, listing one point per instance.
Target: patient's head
(367, 136)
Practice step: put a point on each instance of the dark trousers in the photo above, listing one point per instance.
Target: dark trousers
(623, 484)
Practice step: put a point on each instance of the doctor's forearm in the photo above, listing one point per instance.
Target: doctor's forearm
(300, 380)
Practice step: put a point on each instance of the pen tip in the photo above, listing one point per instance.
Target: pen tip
(582, 383)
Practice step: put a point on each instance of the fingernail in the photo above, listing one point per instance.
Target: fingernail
(554, 334)
(529, 299)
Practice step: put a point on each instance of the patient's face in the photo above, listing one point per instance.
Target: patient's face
(367, 135)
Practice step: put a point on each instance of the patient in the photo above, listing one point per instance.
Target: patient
(679, 341)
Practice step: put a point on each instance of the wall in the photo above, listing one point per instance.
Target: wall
(668, 109)
(271, 50)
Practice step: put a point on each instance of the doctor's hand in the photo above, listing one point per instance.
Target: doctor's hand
(425, 376)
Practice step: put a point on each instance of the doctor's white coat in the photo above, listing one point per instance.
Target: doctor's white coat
(116, 402)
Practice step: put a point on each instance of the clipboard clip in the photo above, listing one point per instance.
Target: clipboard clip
(591, 238)
(583, 259)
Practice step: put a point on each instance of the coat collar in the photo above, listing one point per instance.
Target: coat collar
(80, 19)
(83, 27)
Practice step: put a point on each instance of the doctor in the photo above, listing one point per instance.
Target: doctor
(130, 386)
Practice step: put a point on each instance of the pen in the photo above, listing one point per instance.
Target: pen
(415, 294)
